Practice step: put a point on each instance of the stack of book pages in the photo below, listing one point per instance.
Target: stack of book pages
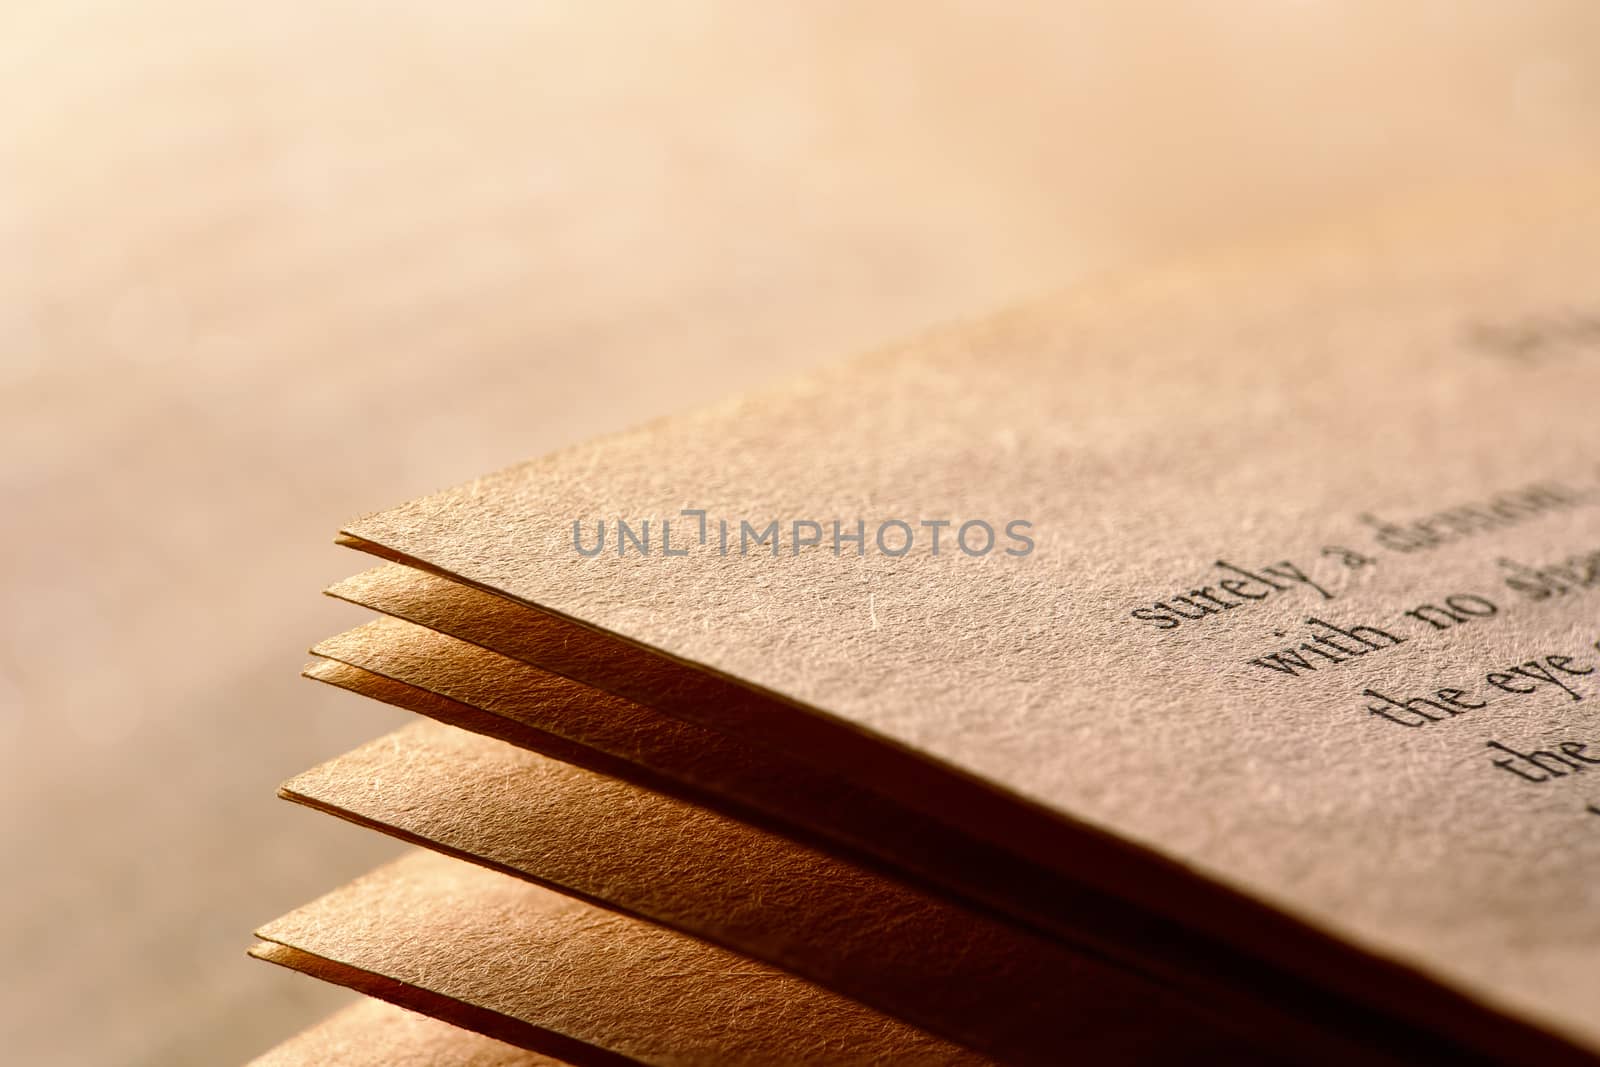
(1200, 666)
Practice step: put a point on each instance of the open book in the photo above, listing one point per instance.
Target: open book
(1201, 665)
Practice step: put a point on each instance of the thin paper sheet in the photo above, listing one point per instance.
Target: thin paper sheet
(1385, 441)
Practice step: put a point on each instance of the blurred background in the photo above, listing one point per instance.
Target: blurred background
(265, 267)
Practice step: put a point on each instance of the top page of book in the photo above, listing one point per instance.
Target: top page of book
(1283, 564)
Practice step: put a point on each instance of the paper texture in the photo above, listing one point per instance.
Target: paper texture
(371, 1033)
(1376, 417)
(532, 705)
(986, 984)
(756, 780)
(555, 975)
(468, 687)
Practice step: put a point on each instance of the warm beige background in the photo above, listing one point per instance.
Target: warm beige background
(268, 266)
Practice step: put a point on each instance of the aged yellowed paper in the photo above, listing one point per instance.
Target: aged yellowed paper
(1283, 567)
(946, 968)
(555, 975)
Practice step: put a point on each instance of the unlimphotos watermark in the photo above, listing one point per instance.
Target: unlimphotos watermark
(743, 537)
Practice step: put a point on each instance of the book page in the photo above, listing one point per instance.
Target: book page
(476, 690)
(555, 975)
(1014, 994)
(372, 1033)
(1282, 566)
